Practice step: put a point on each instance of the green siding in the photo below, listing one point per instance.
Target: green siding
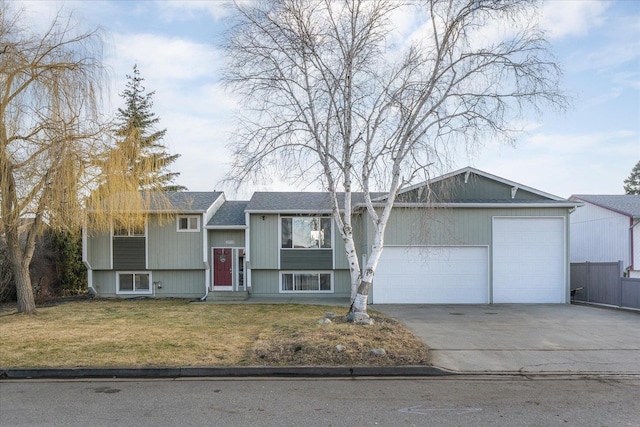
(313, 259)
(175, 284)
(104, 282)
(476, 188)
(340, 256)
(170, 249)
(180, 284)
(265, 282)
(226, 238)
(264, 241)
(341, 284)
(99, 250)
(457, 226)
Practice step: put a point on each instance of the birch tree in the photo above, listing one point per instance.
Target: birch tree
(51, 133)
(333, 93)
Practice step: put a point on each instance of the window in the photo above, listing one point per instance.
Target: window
(133, 283)
(128, 231)
(189, 223)
(306, 282)
(306, 232)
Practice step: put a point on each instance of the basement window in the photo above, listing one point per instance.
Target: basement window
(134, 283)
(306, 282)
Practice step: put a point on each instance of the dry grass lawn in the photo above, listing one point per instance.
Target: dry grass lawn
(137, 333)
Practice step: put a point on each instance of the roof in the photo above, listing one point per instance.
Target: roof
(191, 201)
(230, 214)
(299, 202)
(626, 204)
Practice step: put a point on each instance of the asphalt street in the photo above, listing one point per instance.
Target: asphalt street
(436, 401)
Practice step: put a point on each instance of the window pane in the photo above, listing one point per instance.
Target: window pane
(142, 282)
(137, 230)
(182, 223)
(307, 282)
(126, 282)
(286, 233)
(307, 233)
(325, 282)
(326, 232)
(287, 282)
(193, 223)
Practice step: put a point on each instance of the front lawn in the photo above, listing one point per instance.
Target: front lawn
(139, 333)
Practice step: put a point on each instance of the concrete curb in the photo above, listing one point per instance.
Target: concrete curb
(224, 372)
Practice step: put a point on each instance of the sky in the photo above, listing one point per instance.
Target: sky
(588, 149)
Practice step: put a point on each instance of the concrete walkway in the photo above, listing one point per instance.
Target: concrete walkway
(523, 338)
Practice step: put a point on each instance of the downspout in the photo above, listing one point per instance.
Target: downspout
(90, 289)
(247, 252)
(631, 246)
(205, 257)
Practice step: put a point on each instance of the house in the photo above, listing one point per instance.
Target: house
(607, 229)
(465, 237)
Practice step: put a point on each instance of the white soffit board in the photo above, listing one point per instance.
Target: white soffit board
(432, 275)
(528, 260)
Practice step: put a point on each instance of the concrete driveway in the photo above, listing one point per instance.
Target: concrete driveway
(525, 337)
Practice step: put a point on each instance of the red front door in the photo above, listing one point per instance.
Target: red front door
(222, 267)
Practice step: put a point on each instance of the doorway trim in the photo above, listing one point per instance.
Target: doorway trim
(237, 268)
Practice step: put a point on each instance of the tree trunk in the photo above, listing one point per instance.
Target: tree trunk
(358, 309)
(26, 302)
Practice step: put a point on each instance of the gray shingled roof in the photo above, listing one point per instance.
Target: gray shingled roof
(312, 202)
(231, 213)
(627, 204)
(189, 201)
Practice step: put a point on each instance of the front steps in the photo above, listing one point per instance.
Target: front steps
(226, 296)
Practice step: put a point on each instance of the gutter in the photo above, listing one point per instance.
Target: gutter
(478, 205)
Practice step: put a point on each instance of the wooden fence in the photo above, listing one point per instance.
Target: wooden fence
(603, 283)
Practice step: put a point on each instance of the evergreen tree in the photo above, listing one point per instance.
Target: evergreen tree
(632, 183)
(146, 157)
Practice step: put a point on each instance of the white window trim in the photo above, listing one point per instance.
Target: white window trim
(188, 230)
(134, 292)
(281, 217)
(330, 273)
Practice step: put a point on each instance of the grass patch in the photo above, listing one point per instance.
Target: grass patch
(142, 333)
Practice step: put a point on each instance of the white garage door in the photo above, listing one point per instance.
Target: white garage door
(528, 260)
(432, 275)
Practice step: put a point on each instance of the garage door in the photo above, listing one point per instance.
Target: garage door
(432, 275)
(528, 260)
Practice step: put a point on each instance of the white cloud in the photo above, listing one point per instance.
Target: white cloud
(165, 58)
(184, 10)
(563, 163)
(564, 18)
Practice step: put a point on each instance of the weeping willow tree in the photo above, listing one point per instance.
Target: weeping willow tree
(51, 132)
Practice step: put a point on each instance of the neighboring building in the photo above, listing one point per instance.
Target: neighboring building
(607, 229)
(467, 237)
